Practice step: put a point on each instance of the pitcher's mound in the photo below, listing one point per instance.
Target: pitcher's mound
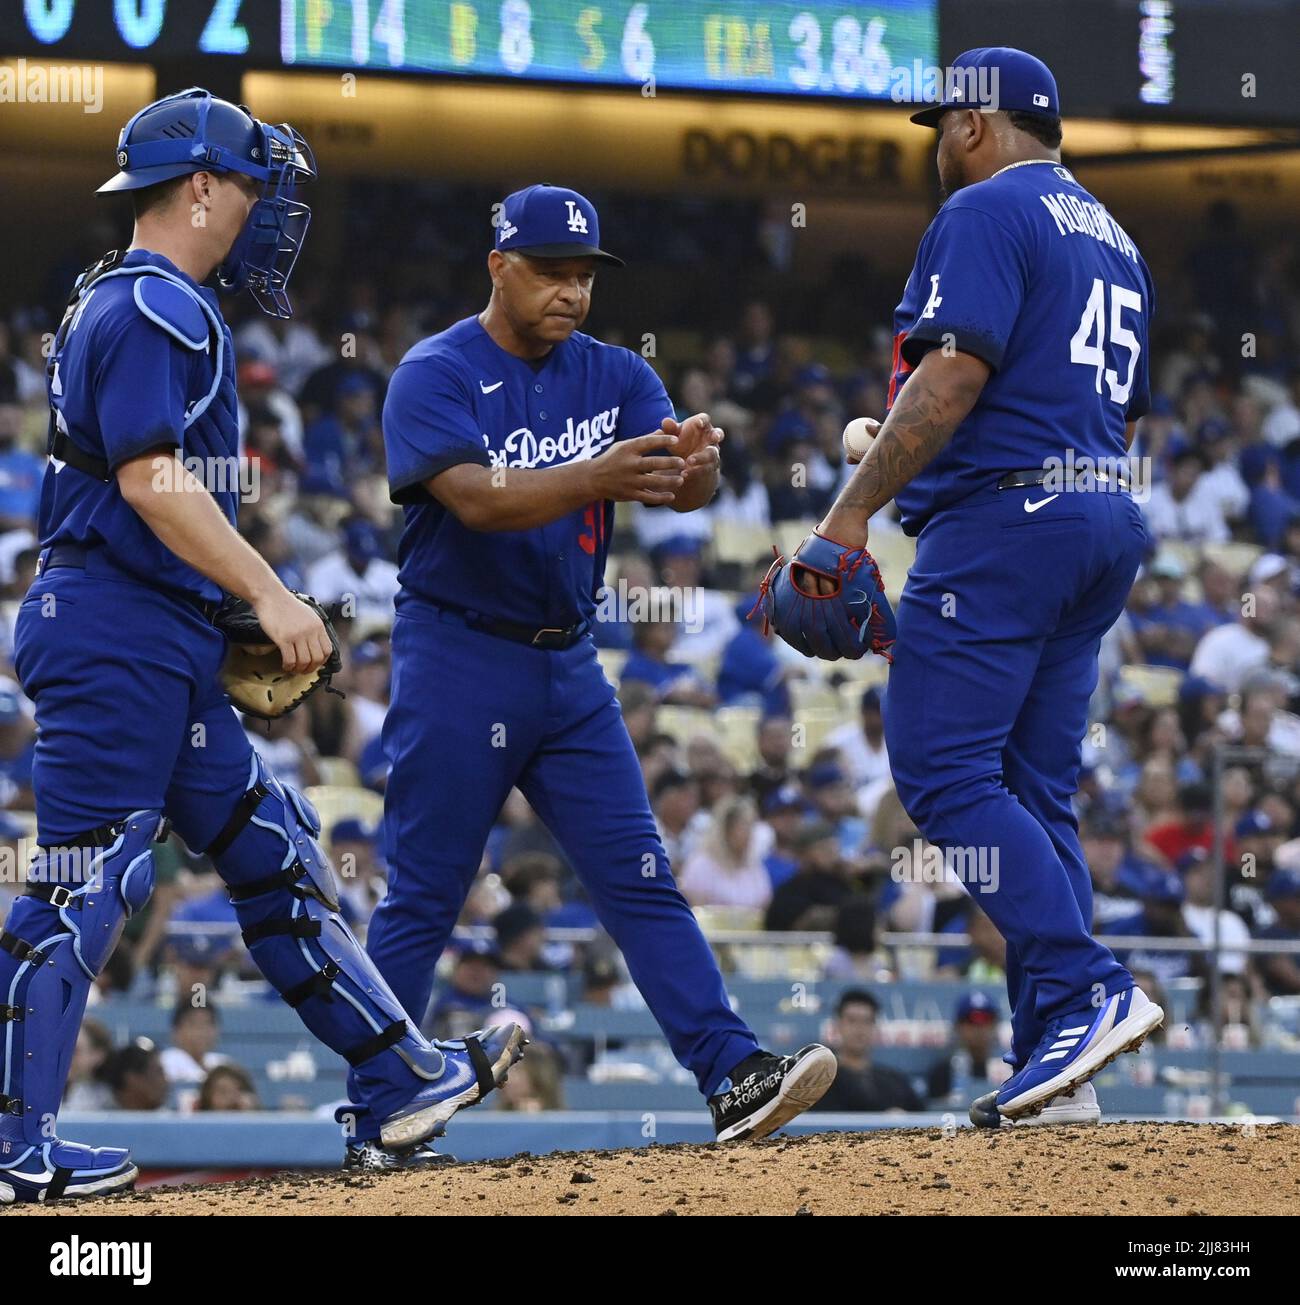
(1149, 1168)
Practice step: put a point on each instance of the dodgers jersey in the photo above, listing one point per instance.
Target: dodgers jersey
(459, 397)
(124, 383)
(1030, 273)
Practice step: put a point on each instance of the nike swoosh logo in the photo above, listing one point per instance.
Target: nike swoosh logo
(487, 389)
(1042, 502)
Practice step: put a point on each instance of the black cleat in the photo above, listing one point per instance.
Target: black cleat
(369, 1157)
(765, 1092)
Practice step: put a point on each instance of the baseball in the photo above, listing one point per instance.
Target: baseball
(858, 435)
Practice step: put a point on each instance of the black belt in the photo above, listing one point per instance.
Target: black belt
(550, 638)
(1030, 479)
(75, 555)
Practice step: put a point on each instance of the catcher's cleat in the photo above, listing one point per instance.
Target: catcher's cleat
(60, 1171)
(475, 1065)
(1077, 1046)
(371, 1157)
(765, 1092)
(1079, 1107)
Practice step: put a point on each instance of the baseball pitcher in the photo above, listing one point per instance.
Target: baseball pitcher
(1020, 368)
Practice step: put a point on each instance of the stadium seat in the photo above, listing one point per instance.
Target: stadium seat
(741, 543)
(337, 802)
(737, 734)
(611, 661)
(1158, 685)
(337, 772)
(1236, 556)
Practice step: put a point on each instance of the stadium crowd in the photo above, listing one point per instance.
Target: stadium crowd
(768, 776)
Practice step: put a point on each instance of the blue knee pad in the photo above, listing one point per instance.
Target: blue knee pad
(286, 899)
(58, 937)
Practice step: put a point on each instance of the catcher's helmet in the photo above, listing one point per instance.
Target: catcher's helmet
(193, 131)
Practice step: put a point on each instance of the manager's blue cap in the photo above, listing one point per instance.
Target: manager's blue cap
(551, 222)
(995, 77)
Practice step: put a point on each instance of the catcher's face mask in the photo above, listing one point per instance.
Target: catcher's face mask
(265, 251)
(194, 131)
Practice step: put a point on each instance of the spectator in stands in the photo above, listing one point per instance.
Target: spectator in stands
(1167, 626)
(708, 616)
(861, 744)
(676, 805)
(227, 1087)
(975, 1053)
(135, 1077)
(193, 1052)
(773, 771)
(1160, 916)
(367, 674)
(292, 347)
(21, 471)
(1103, 836)
(1240, 1028)
(1197, 870)
(362, 873)
(800, 482)
(828, 790)
(260, 391)
(521, 938)
(1281, 973)
(1186, 506)
(1227, 654)
(201, 940)
(754, 354)
(1190, 826)
(811, 898)
(538, 1088)
(726, 868)
(784, 811)
(1259, 839)
(751, 673)
(857, 957)
(86, 1089)
(466, 1003)
(17, 747)
(346, 442)
(637, 701)
(357, 575)
(649, 664)
(861, 1085)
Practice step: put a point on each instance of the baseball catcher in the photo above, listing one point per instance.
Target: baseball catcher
(121, 643)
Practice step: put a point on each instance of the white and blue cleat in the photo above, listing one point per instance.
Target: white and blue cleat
(1077, 1046)
(474, 1066)
(58, 1171)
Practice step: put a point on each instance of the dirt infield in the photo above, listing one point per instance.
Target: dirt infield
(1116, 1168)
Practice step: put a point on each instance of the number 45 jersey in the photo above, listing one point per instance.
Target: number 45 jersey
(1030, 273)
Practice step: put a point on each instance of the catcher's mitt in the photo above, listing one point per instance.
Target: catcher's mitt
(854, 618)
(253, 673)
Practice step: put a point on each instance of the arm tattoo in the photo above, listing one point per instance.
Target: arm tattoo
(918, 428)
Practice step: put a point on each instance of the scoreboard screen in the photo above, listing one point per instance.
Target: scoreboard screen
(787, 47)
(857, 48)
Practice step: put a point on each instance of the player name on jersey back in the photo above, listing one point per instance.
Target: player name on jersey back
(1086, 217)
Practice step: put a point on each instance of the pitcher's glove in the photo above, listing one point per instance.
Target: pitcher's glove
(254, 675)
(854, 617)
